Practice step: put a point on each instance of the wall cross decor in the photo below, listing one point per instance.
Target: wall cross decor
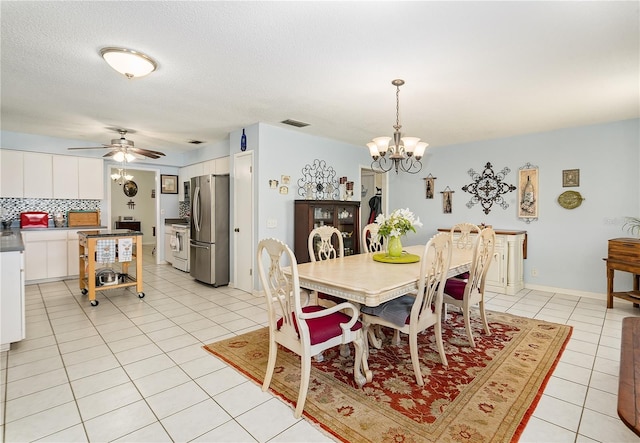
(488, 187)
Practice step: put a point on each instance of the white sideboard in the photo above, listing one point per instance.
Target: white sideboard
(506, 273)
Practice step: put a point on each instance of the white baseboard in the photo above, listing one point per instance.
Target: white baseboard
(593, 295)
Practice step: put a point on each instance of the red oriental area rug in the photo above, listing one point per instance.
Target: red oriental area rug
(487, 393)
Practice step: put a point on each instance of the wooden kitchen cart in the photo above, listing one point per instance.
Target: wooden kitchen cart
(87, 248)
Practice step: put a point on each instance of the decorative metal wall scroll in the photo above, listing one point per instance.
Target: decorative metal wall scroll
(318, 182)
(447, 200)
(528, 193)
(429, 185)
(487, 188)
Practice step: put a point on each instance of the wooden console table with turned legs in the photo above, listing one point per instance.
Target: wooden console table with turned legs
(624, 255)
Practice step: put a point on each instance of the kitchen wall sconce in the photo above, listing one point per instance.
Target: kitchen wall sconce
(128, 62)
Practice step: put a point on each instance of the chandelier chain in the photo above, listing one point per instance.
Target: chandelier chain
(397, 126)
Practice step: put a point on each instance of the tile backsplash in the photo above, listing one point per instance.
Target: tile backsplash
(12, 207)
(184, 209)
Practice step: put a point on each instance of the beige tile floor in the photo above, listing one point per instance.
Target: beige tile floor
(133, 369)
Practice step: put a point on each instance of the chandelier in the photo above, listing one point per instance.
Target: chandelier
(122, 176)
(404, 152)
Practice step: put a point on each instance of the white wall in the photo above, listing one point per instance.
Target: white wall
(566, 246)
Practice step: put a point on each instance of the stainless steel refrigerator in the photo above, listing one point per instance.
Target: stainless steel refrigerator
(209, 245)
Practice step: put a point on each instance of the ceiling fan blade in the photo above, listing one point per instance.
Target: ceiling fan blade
(110, 154)
(146, 152)
(91, 147)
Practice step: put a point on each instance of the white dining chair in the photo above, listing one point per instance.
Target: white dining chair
(321, 244)
(304, 330)
(467, 293)
(414, 313)
(371, 242)
(465, 240)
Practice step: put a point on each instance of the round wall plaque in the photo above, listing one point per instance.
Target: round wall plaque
(130, 188)
(570, 199)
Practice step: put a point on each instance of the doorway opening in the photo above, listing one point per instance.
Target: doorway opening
(374, 190)
(137, 201)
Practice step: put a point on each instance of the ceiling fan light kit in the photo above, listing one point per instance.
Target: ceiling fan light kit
(130, 63)
(404, 152)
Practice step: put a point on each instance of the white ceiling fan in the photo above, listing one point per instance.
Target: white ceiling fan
(121, 149)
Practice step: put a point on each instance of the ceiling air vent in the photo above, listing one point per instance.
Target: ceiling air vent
(195, 142)
(295, 123)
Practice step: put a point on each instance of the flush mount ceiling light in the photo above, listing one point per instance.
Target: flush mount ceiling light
(128, 62)
(404, 152)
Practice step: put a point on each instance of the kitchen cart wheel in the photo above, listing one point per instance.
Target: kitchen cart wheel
(140, 294)
(84, 291)
(94, 302)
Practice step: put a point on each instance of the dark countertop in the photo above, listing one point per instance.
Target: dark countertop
(66, 228)
(176, 221)
(11, 240)
(109, 233)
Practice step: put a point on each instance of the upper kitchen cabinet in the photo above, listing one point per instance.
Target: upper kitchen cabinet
(216, 166)
(90, 178)
(65, 176)
(11, 175)
(38, 175)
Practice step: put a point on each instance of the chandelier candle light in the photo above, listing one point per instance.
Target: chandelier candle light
(404, 152)
(397, 224)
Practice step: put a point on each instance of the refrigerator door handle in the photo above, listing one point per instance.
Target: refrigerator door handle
(196, 208)
(199, 246)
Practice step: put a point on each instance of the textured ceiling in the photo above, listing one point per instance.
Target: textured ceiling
(473, 70)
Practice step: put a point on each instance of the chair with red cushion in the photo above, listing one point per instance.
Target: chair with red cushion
(307, 330)
(466, 240)
(465, 294)
(425, 310)
(321, 247)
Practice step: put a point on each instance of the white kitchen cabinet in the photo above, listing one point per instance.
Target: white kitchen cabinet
(90, 178)
(73, 256)
(11, 173)
(65, 176)
(222, 165)
(209, 167)
(168, 253)
(12, 299)
(45, 254)
(215, 166)
(506, 273)
(38, 175)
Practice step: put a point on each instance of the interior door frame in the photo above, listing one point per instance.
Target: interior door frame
(385, 189)
(241, 256)
(113, 167)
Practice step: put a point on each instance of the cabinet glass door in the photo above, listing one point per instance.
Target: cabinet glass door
(346, 224)
(322, 216)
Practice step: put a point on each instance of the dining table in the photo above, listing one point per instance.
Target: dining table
(361, 279)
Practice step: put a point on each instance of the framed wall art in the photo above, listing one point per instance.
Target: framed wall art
(168, 184)
(447, 200)
(570, 177)
(528, 192)
(429, 185)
